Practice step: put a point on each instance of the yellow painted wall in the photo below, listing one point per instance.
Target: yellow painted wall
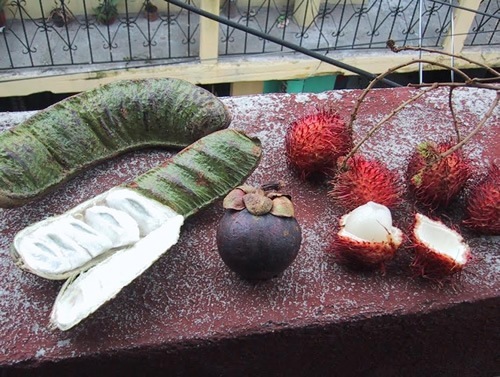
(224, 71)
(246, 88)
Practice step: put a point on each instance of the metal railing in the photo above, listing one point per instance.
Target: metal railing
(486, 28)
(36, 39)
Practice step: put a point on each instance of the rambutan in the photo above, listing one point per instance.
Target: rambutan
(367, 239)
(435, 180)
(440, 251)
(363, 180)
(314, 142)
(482, 213)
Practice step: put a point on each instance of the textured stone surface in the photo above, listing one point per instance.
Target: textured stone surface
(189, 315)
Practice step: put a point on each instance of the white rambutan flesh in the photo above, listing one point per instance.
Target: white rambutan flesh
(439, 250)
(369, 222)
(367, 237)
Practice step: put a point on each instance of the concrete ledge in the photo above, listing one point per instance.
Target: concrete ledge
(188, 315)
(21, 82)
(452, 342)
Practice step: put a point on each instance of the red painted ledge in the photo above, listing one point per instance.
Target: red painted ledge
(189, 315)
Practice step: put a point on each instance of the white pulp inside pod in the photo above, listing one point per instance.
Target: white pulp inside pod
(82, 296)
(61, 246)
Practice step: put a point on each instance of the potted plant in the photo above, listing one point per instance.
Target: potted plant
(60, 16)
(3, 20)
(106, 12)
(151, 11)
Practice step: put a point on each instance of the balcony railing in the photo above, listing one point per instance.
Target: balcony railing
(32, 36)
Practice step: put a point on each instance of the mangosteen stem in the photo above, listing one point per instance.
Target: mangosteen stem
(272, 186)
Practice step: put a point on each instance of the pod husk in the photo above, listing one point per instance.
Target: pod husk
(192, 179)
(57, 143)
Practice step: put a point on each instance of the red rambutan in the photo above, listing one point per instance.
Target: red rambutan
(363, 181)
(439, 250)
(482, 213)
(367, 238)
(434, 180)
(314, 142)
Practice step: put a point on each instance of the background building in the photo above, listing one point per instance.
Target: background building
(67, 46)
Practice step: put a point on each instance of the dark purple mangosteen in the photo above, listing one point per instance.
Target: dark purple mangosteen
(258, 236)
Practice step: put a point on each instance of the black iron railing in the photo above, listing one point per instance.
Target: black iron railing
(35, 35)
(30, 41)
(485, 30)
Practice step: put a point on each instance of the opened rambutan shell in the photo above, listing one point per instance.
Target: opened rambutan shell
(440, 251)
(314, 142)
(435, 181)
(366, 239)
(363, 181)
(482, 213)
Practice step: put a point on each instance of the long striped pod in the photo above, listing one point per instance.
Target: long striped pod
(83, 244)
(63, 245)
(204, 173)
(73, 134)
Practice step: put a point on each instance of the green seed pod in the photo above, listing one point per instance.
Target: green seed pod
(111, 239)
(192, 179)
(71, 135)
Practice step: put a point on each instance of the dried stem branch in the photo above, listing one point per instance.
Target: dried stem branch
(392, 45)
(394, 69)
(385, 119)
(488, 114)
(453, 115)
(473, 83)
(468, 81)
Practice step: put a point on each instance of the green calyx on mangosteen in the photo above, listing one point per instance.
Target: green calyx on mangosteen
(258, 236)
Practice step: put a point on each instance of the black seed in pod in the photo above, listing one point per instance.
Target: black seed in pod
(257, 247)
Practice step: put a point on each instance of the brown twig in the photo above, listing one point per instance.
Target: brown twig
(392, 70)
(392, 46)
(474, 83)
(468, 81)
(453, 115)
(483, 79)
(488, 114)
(385, 119)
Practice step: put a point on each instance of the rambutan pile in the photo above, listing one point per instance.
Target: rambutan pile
(435, 180)
(482, 213)
(367, 239)
(440, 251)
(363, 180)
(315, 142)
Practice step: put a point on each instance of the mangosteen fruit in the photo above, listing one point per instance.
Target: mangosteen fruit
(258, 236)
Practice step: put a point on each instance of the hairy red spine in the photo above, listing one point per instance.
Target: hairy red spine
(482, 213)
(362, 254)
(366, 180)
(435, 181)
(314, 143)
